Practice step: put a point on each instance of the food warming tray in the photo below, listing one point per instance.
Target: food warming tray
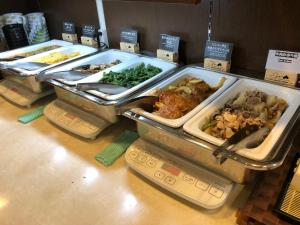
(210, 77)
(105, 57)
(83, 50)
(23, 77)
(164, 65)
(11, 53)
(237, 168)
(292, 97)
(103, 108)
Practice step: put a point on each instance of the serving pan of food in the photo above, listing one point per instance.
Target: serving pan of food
(43, 61)
(31, 50)
(72, 72)
(237, 167)
(184, 94)
(133, 75)
(248, 102)
(104, 108)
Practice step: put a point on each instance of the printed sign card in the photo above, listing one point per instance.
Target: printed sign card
(217, 55)
(69, 32)
(129, 36)
(283, 67)
(89, 31)
(69, 28)
(129, 40)
(169, 43)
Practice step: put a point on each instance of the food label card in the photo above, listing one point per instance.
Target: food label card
(89, 31)
(218, 50)
(169, 43)
(129, 36)
(283, 61)
(69, 28)
(283, 67)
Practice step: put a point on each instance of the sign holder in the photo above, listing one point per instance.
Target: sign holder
(217, 55)
(69, 32)
(129, 41)
(168, 48)
(283, 67)
(89, 36)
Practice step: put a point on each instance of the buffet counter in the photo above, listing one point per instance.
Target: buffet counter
(51, 177)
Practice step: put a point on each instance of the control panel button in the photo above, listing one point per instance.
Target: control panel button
(142, 158)
(216, 192)
(133, 154)
(159, 175)
(189, 179)
(170, 180)
(202, 185)
(151, 163)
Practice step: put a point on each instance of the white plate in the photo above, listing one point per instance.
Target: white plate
(101, 58)
(83, 50)
(291, 96)
(210, 77)
(30, 48)
(164, 65)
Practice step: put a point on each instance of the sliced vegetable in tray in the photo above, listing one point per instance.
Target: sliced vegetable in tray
(252, 107)
(131, 77)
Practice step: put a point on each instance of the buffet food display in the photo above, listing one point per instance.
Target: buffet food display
(131, 77)
(184, 94)
(56, 57)
(93, 64)
(14, 70)
(252, 107)
(32, 50)
(196, 107)
(178, 99)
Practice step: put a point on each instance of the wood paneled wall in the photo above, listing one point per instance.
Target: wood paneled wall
(253, 26)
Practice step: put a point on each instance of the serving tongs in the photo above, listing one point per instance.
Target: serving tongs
(248, 137)
(11, 58)
(24, 66)
(145, 102)
(111, 89)
(72, 74)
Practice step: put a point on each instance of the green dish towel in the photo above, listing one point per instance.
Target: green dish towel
(26, 118)
(112, 152)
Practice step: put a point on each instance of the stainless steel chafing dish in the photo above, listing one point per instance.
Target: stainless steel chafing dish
(237, 168)
(104, 108)
(27, 77)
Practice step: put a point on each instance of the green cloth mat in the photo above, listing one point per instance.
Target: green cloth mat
(112, 152)
(26, 118)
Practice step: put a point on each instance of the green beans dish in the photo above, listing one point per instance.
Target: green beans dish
(131, 77)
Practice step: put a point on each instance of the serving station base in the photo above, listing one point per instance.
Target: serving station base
(19, 94)
(74, 119)
(182, 178)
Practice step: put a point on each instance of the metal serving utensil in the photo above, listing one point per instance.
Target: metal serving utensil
(11, 58)
(144, 102)
(25, 66)
(70, 75)
(111, 89)
(236, 138)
